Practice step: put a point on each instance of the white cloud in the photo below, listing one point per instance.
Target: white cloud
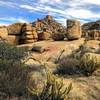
(60, 9)
(82, 13)
(22, 20)
(95, 2)
(3, 24)
(50, 1)
(27, 7)
(61, 20)
(8, 4)
(74, 11)
(13, 19)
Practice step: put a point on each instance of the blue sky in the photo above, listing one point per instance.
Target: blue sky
(12, 11)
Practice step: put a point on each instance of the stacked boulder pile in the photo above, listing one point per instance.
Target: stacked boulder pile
(29, 34)
(48, 27)
(41, 29)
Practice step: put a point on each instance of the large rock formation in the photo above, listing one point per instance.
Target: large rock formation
(73, 29)
(14, 33)
(29, 34)
(50, 25)
(20, 33)
(42, 29)
(91, 30)
(15, 29)
(3, 32)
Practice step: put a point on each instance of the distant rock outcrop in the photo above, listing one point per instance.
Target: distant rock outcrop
(91, 30)
(48, 26)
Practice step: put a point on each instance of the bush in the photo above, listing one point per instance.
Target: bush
(52, 90)
(68, 66)
(88, 64)
(8, 51)
(13, 77)
(13, 74)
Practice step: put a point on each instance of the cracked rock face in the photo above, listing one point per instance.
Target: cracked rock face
(73, 29)
(3, 32)
(91, 30)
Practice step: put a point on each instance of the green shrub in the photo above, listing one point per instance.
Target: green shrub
(88, 64)
(13, 74)
(52, 90)
(8, 51)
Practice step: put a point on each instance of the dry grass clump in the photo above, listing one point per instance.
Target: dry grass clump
(13, 78)
(13, 73)
(68, 66)
(86, 65)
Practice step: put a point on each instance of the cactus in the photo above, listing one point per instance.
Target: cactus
(52, 90)
(88, 64)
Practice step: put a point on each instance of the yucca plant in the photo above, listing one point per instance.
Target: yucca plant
(53, 90)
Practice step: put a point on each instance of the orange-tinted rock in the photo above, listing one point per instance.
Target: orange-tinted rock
(49, 25)
(48, 17)
(92, 34)
(29, 41)
(43, 36)
(29, 34)
(15, 29)
(73, 29)
(12, 39)
(27, 27)
(58, 36)
(3, 32)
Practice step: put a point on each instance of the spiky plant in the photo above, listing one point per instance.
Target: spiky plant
(88, 64)
(52, 90)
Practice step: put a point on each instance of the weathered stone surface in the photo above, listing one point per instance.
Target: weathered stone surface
(35, 35)
(43, 36)
(12, 39)
(27, 27)
(29, 34)
(91, 30)
(73, 29)
(48, 17)
(3, 32)
(29, 41)
(58, 36)
(91, 34)
(15, 29)
(48, 24)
